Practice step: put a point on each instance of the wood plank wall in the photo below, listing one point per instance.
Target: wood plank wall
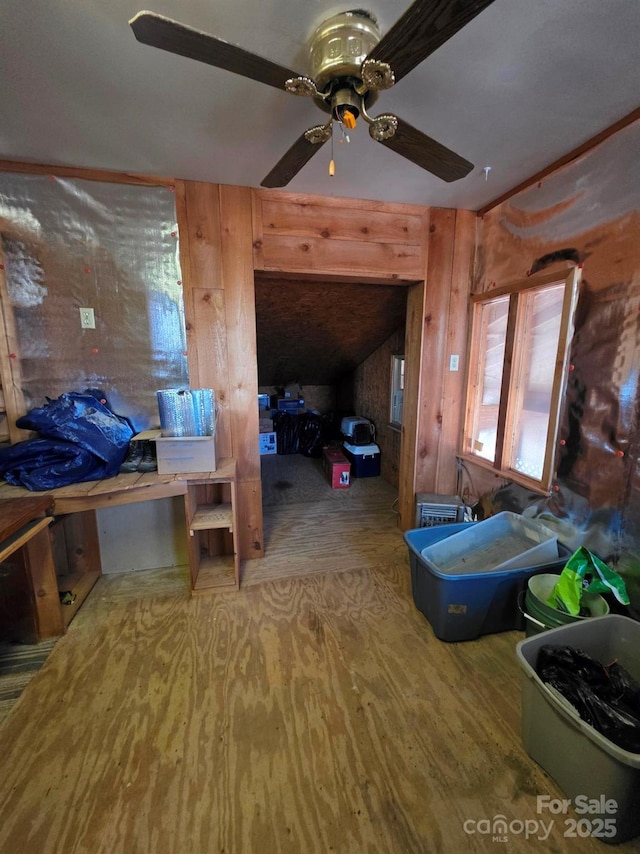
(227, 233)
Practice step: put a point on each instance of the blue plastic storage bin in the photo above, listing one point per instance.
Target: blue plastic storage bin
(463, 607)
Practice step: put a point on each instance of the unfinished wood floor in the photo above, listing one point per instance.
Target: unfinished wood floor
(301, 714)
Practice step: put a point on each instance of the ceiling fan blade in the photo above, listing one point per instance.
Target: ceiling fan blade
(157, 31)
(292, 162)
(425, 26)
(427, 153)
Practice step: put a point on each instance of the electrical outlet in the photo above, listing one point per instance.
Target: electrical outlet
(454, 362)
(87, 318)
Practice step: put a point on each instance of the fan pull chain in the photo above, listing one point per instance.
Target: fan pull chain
(332, 163)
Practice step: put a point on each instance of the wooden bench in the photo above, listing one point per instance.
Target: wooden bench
(210, 519)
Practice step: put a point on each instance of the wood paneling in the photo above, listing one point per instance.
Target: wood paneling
(435, 322)
(240, 311)
(316, 255)
(346, 222)
(436, 327)
(208, 344)
(304, 235)
(216, 244)
(453, 386)
(250, 524)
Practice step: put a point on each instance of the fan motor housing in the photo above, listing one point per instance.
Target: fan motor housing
(340, 45)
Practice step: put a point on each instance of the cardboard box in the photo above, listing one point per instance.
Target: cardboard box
(337, 468)
(265, 424)
(268, 444)
(290, 404)
(182, 454)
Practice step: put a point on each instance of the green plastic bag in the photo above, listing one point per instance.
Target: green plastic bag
(584, 572)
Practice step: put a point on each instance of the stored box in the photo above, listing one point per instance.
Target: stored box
(182, 454)
(464, 606)
(268, 444)
(337, 468)
(584, 763)
(290, 404)
(364, 459)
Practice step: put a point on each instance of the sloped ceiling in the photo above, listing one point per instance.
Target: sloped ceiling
(314, 333)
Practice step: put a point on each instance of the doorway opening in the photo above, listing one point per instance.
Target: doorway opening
(323, 351)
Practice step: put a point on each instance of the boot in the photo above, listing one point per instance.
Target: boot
(148, 461)
(133, 458)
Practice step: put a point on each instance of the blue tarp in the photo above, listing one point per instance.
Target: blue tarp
(81, 439)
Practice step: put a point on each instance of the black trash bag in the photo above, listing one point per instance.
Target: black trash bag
(287, 429)
(605, 696)
(81, 439)
(313, 435)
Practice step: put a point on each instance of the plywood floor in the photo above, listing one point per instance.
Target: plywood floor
(305, 713)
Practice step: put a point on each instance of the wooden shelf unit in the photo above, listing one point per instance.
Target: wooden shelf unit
(211, 511)
(211, 516)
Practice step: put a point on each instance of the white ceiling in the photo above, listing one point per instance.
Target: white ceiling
(521, 85)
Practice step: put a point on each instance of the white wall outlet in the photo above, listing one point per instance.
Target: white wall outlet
(454, 362)
(87, 318)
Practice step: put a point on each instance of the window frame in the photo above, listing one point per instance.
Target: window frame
(509, 389)
(398, 368)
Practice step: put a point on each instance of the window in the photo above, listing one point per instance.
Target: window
(520, 337)
(397, 391)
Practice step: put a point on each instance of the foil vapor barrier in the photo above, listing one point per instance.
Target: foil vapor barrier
(187, 412)
(71, 244)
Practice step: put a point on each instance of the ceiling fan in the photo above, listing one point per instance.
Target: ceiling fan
(351, 63)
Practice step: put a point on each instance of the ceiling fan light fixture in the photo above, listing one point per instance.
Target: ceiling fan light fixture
(340, 45)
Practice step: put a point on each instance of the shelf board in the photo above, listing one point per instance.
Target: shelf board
(215, 573)
(208, 516)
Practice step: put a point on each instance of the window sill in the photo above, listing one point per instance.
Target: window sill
(513, 476)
